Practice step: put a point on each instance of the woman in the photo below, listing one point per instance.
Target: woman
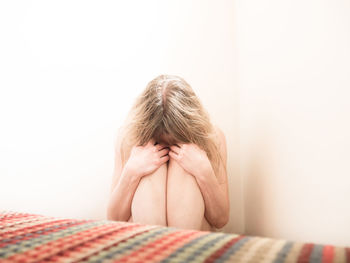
(170, 161)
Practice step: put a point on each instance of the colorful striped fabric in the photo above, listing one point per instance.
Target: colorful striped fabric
(36, 238)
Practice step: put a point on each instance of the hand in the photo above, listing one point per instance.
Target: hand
(144, 160)
(190, 157)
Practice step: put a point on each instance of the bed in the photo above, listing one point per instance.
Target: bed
(26, 237)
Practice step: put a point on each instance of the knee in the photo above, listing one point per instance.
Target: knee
(148, 203)
(179, 178)
(175, 170)
(185, 203)
(161, 169)
(158, 175)
(182, 187)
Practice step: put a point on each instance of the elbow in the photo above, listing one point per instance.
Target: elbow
(111, 215)
(114, 214)
(221, 221)
(222, 218)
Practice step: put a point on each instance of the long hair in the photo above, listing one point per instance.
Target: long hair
(169, 106)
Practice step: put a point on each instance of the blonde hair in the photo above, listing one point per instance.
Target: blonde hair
(168, 105)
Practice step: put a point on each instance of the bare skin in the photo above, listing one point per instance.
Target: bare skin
(156, 198)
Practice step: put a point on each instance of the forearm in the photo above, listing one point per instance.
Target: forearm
(119, 207)
(216, 204)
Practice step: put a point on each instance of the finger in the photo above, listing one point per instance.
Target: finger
(175, 149)
(152, 141)
(173, 155)
(181, 145)
(163, 152)
(160, 146)
(164, 159)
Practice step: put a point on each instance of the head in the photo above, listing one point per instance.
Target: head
(169, 111)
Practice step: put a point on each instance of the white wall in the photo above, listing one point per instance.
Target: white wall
(70, 71)
(293, 73)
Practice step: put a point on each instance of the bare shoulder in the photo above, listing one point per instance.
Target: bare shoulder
(220, 134)
(222, 173)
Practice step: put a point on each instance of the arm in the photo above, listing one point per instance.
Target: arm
(214, 189)
(119, 207)
(143, 160)
(124, 185)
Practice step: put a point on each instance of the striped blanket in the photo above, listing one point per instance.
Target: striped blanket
(36, 238)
